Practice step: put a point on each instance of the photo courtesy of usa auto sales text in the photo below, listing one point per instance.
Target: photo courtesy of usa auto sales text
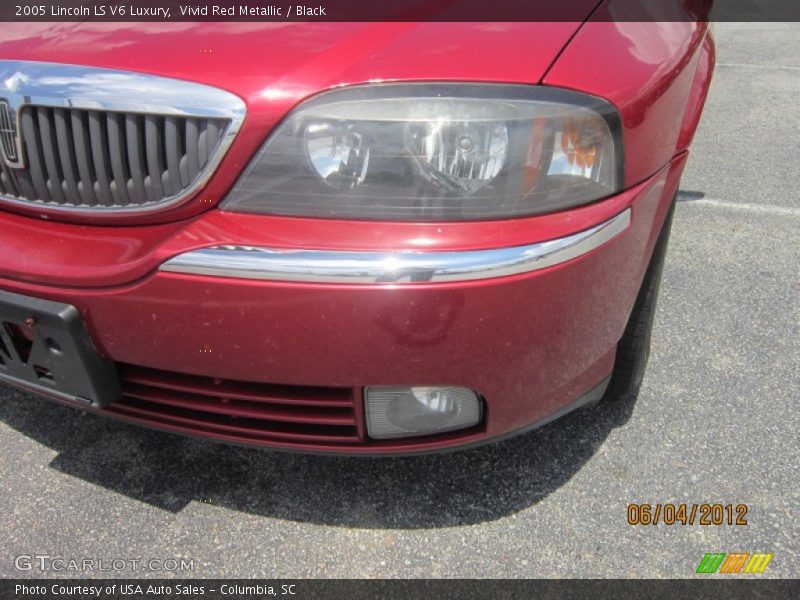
(126, 589)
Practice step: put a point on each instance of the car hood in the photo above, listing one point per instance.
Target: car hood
(288, 61)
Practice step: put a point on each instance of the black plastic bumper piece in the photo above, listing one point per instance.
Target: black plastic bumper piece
(46, 348)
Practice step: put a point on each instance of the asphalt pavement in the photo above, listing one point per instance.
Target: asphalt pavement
(715, 421)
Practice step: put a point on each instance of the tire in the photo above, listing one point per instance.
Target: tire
(633, 349)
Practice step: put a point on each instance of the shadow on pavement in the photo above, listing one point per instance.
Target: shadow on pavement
(169, 471)
(689, 195)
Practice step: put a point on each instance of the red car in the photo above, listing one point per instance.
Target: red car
(363, 238)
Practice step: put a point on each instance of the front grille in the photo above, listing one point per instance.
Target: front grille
(104, 159)
(236, 410)
(80, 140)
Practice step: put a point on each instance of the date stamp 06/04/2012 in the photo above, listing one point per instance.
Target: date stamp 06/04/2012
(687, 514)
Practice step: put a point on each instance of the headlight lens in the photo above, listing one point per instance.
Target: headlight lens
(428, 152)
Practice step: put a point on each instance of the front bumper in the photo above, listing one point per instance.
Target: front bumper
(531, 328)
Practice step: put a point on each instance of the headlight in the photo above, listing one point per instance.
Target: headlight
(426, 152)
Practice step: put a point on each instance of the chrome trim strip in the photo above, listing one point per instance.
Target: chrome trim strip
(56, 85)
(324, 266)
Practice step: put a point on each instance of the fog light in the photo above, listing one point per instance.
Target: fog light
(395, 412)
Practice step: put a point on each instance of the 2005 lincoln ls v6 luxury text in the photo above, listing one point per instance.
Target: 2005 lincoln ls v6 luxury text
(363, 238)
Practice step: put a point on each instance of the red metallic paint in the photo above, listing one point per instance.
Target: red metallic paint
(699, 93)
(529, 343)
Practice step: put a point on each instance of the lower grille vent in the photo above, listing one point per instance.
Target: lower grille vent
(236, 410)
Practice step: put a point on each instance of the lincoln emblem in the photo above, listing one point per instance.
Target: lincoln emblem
(9, 142)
